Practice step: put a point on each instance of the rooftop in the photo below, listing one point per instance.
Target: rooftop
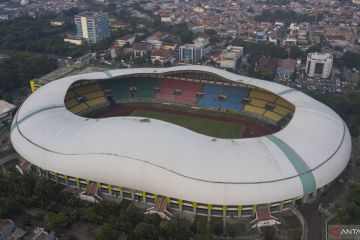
(5, 106)
(267, 64)
(91, 14)
(161, 52)
(288, 64)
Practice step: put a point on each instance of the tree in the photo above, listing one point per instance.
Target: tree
(145, 231)
(60, 219)
(213, 37)
(25, 220)
(296, 52)
(268, 233)
(45, 191)
(217, 229)
(347, 106)
(352, 60)
(107, 233)
(91, 215)
(166, 228)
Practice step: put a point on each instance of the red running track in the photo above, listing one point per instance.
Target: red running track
(250, 129)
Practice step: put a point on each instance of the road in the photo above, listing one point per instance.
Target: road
(316, 223)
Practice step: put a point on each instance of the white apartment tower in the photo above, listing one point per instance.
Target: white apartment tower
(319, 65)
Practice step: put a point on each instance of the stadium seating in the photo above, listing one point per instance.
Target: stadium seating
(281, 110)
(273, 116)
(268, 97)
(81, 90)
(92, 96)
(189, 90)
(96, 101)
(71, 102)
(79, 108)
(255, 110)
(259, 101)
(234, 96)
(120, 87)
(282, 102)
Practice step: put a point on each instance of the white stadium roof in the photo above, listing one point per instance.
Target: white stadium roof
(169, 160)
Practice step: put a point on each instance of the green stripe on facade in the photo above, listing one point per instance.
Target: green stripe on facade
(16, 123)
(307, 178)
(287, 91)
(108, 74)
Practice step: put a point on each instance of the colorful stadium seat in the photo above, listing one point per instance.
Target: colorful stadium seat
(255, 110)
(234, 96)
(168, 88)
(273, 116)
(120, 87)
(262, 95)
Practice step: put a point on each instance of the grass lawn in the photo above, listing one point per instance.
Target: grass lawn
(207, 127)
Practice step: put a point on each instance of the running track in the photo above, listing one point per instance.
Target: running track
(250, 129)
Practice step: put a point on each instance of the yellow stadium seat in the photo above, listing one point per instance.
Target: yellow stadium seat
(252, 109)
(71, 102)
(284, 103)
(92, 95)
(281, 110)
(69, 94)
(85, 89)
(262, 95)
(78, 108)
(258, 103)
(96, 101)
(273, 116)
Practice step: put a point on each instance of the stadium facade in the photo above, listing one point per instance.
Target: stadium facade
(141, 160)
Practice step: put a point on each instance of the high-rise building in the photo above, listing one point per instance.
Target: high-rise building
(92, 26)
(230, 57)
(319, 65)
(193, 53)
(190, 53)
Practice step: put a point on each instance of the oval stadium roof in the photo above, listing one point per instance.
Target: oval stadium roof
(166, 159)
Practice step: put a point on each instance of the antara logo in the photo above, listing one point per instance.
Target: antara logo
(335, 231)
(352, 231)
(338, 232)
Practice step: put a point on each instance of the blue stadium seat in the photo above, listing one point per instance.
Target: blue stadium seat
(233, 101)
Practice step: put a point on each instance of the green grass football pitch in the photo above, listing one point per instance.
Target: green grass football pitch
(212, 128)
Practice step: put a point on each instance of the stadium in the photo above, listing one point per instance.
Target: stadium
(208, 141)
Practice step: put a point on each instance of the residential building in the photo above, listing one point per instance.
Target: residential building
(7, 226)
(8, 230)
(286, 68)
(156, 39)
(230, 57)
(165, 17)
(261, 37)
(190, 53)
(74, 40)
(267, 66)
(120, 42)
(24, 167)
(169, 46)
(161, 55)
(319, 65)
(289, 41)
(141, 49)
(40, 234)
(193, 53)
(92, 26)
(57, 22)
(204, 44)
